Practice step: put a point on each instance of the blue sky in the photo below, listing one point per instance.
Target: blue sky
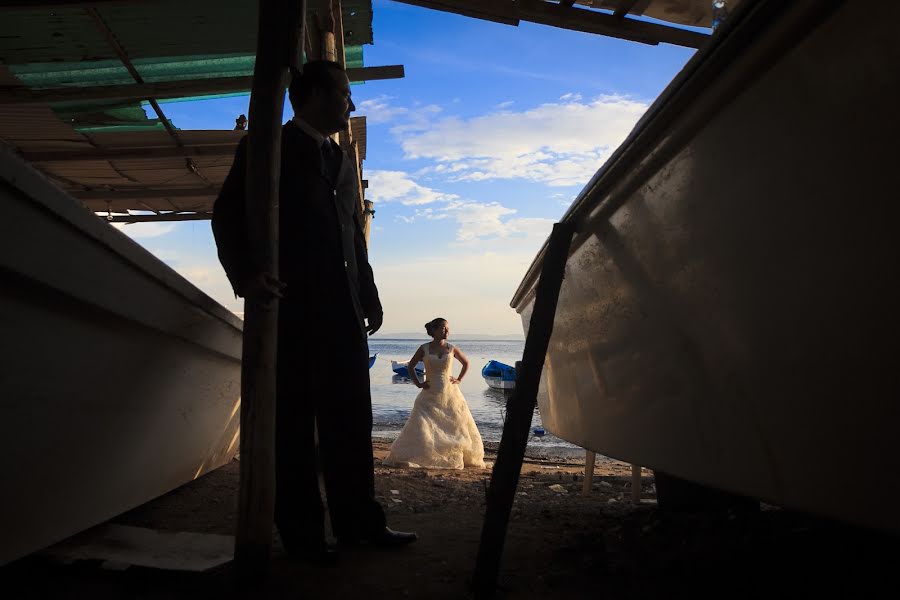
(471, 157)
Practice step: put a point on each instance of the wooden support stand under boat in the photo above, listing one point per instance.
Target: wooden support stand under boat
(511, 452)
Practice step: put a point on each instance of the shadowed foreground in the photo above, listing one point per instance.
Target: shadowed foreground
(560, 545)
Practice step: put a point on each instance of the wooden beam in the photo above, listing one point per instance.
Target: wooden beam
(280, 31)
(160, 90)
(143, 194)
(376, 73)
(502, 12)
(624, 8)
(567, 17)
(196, 216)
(32, 4)
(199, 151)
(590, 21)
(167, 89)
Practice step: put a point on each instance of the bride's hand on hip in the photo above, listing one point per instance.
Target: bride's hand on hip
(455, 380)
(422, 385)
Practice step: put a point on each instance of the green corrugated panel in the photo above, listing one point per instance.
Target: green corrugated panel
(118, 115)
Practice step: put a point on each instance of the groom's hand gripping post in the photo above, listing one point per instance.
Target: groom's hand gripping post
(374, 323)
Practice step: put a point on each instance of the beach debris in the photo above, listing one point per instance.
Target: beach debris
(605, 484)
(539, 431)
(559, 489)
(397, 500)
(549, 466)
(395, 492)
(611, 501)
(522, 493)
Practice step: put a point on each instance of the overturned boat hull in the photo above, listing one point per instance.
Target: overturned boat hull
(729, 309)
(121, 379)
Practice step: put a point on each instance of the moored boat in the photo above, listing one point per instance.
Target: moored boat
(726, 315)
(372, 360)
(401, 367)
(499, 376)
(127, 377)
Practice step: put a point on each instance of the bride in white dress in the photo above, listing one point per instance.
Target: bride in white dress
(440, 432)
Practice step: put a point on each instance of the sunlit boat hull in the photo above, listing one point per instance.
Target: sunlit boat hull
(729, 313)
(121, 379)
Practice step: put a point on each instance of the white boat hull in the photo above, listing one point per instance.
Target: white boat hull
(121, 379)
(729, 313)
(496, 383)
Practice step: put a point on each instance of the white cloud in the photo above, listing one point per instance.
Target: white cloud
(379, 110)
(506, 104)
(479, 222)
(558, 144)
(397, 186)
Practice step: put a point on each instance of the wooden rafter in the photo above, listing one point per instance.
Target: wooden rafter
(168, 216)
(199, 150)
(624, 8)
(568, 17)
(168, 89)
(144, 193)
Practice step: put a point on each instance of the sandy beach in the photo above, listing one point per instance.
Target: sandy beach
(560, 544)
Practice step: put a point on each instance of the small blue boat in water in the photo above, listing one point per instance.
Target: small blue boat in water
(499, 376)
(400, 368)
(372, 360)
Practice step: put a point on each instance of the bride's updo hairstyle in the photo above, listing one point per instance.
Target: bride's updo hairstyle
(430, 325)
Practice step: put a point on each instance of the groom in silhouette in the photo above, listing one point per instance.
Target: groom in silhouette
(328, 303)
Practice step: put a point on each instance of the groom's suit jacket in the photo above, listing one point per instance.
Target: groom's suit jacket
(322, 248)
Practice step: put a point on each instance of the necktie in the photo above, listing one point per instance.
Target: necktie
(330, 160)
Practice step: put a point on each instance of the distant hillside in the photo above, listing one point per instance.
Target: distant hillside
(516, 337)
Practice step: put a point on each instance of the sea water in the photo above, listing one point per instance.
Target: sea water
(393, 396)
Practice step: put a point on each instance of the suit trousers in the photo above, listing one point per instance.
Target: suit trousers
(323, 384)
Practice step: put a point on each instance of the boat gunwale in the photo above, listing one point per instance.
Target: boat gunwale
(37, 188)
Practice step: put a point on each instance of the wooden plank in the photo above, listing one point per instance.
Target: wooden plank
(32, 4)
(193, 216)
(144, 193)
(167, 89)
(567, 17)
(520, 410)
(498, 12)
(590, 21)
(199, 150)
(281, 24)
(376, 73)
(624, 8)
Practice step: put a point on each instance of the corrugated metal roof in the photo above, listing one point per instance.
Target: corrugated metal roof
(151, 29)
(166, 40)
(155, 183)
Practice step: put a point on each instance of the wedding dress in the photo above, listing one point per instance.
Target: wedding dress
(440, 432)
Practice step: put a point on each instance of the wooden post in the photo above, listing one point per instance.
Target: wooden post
(520, 410)
(368, 212)
(589, 458)
(326, 32)
(636, 484)
(280, 27)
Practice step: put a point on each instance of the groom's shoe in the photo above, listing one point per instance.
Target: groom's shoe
(387, 537)
(384, 538)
